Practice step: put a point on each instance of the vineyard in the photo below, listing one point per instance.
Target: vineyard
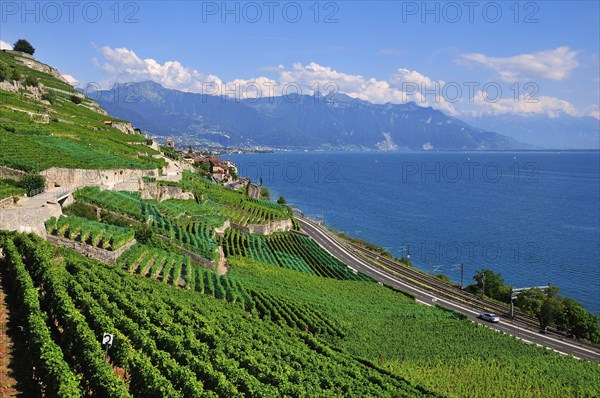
(9, 188)
(168, 342)
(108, 237)
(37, 135)
(126, 203)
(428, 346)
(235, 205)
(288, 250)
(178, 270)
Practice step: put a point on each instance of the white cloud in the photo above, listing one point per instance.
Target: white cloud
(554, 64)
(71, 80)
(124, 65)
(547, 105)
(5, 46)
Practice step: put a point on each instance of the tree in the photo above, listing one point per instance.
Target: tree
(23, 46)
(545, 306)
(33, 182)
(281, 200)
(491, 284)
(265, 194)
(573, 318)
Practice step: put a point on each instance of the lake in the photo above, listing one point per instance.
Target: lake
(532, 216)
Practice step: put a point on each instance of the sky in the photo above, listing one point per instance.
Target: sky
(463, 58)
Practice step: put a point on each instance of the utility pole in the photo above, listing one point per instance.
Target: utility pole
(483, 285)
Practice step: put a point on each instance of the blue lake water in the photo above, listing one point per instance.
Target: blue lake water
(532, 216)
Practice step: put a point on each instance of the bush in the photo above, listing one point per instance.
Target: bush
(143, 233)
(81, 209)
(15, 75)
(33, 182)
(3, 72)
(281, 200)
(265, 194)
(31, 81)
(75, 99)
(49, 96)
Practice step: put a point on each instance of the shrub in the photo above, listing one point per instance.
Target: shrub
(31, 81)
(49, 96)
(81, 209)
(3, 72)
(143, 233)
(75, 99)
(33, 182)
(15, 75)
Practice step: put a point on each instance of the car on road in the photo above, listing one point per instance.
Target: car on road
(488, 316)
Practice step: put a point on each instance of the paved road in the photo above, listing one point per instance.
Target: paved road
(348, 257)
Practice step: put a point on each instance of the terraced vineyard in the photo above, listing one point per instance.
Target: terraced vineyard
(127, 203)
(288, 250)
(235, 205)
(177, 270)
(9, 188)
(108, 237)
(37, 135)
(196, 236)
(167, 342)
(172, 219)
(427, 345)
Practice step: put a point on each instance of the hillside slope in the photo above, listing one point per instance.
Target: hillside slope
(294, 121)
(44, 122)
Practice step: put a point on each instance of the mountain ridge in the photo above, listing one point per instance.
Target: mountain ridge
(331, 121)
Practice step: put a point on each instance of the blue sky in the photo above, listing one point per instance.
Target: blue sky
(460, 57)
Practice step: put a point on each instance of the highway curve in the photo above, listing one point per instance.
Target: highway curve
(519, 329)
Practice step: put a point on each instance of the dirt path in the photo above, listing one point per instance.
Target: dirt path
(8, 384)
(15, 368)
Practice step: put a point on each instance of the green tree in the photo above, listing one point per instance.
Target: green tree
(265, 194)
(33, 182)
(491, 284)
(23, 46)
(75, 99)
(545, 306)
(281, 200)
(574, 319)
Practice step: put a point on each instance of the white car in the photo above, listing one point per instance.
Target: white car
(489, 317)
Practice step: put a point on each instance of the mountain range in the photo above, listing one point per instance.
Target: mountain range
(559, 131)
(328, 122)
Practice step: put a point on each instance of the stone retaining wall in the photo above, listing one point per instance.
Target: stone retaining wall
(265, 229)
(9, 203)
(105, 179)
(7, 173)
(29, 220)
(105, 256)
(258, 229)
(153, 191)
